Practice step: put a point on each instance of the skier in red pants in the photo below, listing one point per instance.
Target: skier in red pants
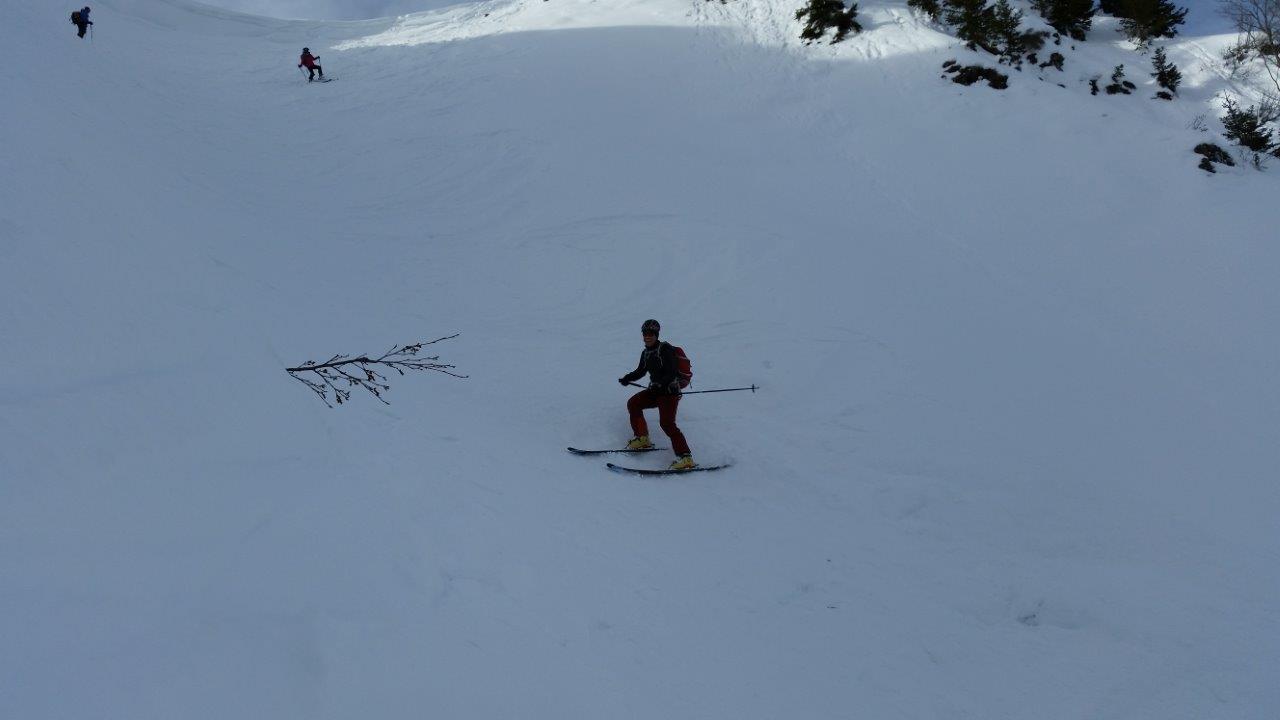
(659, 360)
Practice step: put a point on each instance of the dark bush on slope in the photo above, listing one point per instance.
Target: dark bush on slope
(1011, 41)
(970, 74)
(972, 20)
(1073, 18)
(1120, 86)
(932, 8)
(826, 14)
(1214, 152)
(993, 28)
(1167, 75)
(1144, 20)
(1248, 127)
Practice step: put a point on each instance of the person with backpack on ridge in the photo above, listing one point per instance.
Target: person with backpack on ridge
(80, 18)
(669, 372)
(309, 62)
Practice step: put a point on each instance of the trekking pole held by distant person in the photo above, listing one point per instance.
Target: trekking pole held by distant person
(753, 388)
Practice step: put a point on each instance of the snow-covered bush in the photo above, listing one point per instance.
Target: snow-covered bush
(1258, 22)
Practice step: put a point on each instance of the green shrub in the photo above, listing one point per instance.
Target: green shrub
(826, 14)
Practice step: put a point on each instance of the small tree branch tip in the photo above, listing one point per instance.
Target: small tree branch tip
(320, 377)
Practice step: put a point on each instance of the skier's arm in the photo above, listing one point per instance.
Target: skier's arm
(635, 374)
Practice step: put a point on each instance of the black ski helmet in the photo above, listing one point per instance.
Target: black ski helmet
(650, 327)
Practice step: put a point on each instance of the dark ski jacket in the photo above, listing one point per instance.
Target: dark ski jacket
(308, 60)
(660, 363)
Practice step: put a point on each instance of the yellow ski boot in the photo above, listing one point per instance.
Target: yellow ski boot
(640, 443)
(684, 462)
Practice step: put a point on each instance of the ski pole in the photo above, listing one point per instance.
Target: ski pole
(700, 392)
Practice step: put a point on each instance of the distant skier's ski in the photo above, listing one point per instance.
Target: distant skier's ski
(641, 471)
(576, 451)
(326, 79)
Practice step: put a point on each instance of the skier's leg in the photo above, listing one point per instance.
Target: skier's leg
(636, 407)
(667, 405)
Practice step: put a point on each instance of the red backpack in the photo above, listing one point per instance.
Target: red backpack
(684, 366)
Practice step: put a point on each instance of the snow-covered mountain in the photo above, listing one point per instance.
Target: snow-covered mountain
(1013, 456)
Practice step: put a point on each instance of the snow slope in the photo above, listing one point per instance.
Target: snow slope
(1013, 456)
(330, 9)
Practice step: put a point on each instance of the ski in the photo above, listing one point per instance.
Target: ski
(642, 471)
(320, 80)
(576, 451)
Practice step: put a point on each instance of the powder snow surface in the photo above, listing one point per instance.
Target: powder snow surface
(1014, 453)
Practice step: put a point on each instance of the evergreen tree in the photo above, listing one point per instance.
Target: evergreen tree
(1006, 34)
(1073, 18)
(932, 8)
(1119, 85)
(825, 14)
(972, 20)
(1166, 73)
(1004, 31)
(1247, 127)
(1145, 20)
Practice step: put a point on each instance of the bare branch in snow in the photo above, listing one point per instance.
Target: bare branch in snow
(343, 373)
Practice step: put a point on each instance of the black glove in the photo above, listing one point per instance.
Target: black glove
(623, 382)
(674, 387)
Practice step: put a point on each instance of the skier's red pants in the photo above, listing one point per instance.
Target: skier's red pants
(666, 405)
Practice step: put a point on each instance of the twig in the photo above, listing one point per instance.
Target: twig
(336, 373)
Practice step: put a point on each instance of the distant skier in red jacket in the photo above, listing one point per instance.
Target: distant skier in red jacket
(309, 62)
